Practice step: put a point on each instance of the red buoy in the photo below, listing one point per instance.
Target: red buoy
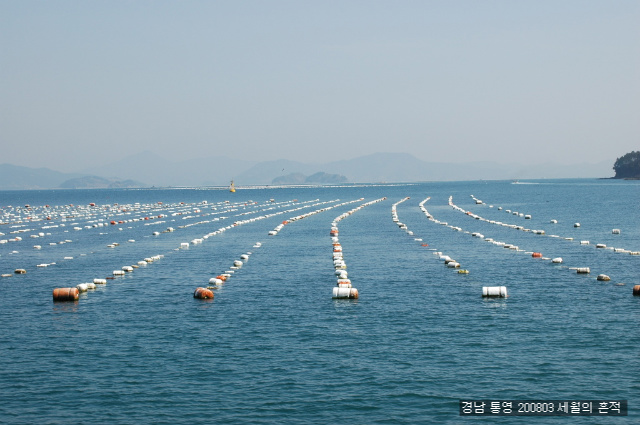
(66, 294)
(203, 293)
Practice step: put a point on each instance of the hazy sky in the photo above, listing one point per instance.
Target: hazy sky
(448, 81)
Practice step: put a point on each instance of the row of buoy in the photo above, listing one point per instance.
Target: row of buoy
(554, 221)
(100, 222)
(73, 293)
(61, 294)
(344, 288)
(280, 226)
(487, 291)
(448, 261)
(556, 260)
(496, 292)
(216, 282)
(118, 273)
(516, 213)
(169, 229)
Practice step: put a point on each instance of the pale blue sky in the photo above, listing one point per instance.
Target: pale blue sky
(447, 81)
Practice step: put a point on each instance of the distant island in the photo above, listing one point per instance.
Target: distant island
(95, 182)
(317, 178)
(628, 166)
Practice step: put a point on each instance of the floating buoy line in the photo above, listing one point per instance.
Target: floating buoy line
(47, 228)
(344, 288)
(556, 260)
(218, 281)
(172, 210)
(499, 291)
(225, 208)
(448, 261)
(542, 232)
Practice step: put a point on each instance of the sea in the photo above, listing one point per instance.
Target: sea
(274, 347)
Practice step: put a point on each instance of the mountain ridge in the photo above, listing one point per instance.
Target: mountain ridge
(155, 170)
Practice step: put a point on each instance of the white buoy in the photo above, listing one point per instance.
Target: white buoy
(237, 263)
(127, 269)
(583, 270)
(603, 277)
(100, 281)
(494, 291)
(576, 224)
(82, 287)
(616, 231)
(118, 273)
(350, 293)
(557, 260)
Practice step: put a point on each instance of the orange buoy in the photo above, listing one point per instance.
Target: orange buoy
(636, 290)
(537, 255)
(222, 278)
(66, 294)
(203, 293)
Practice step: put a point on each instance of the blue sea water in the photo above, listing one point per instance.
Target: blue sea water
(274, 347)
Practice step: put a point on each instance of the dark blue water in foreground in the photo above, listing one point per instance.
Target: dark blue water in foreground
(273, 347)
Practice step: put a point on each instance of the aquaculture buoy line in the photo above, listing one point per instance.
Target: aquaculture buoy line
(99, 217)
(498, 291)
(448, 261)
(84, 287)
(555, 260)
(217, 281)
(279, 227)
(207, 293)
(225, 209)
(487, 291)
(344, 288)
(542, 232)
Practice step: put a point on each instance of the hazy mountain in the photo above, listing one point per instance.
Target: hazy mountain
(317, 178)
(153, 168)
(17, 177)
(265, 172)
